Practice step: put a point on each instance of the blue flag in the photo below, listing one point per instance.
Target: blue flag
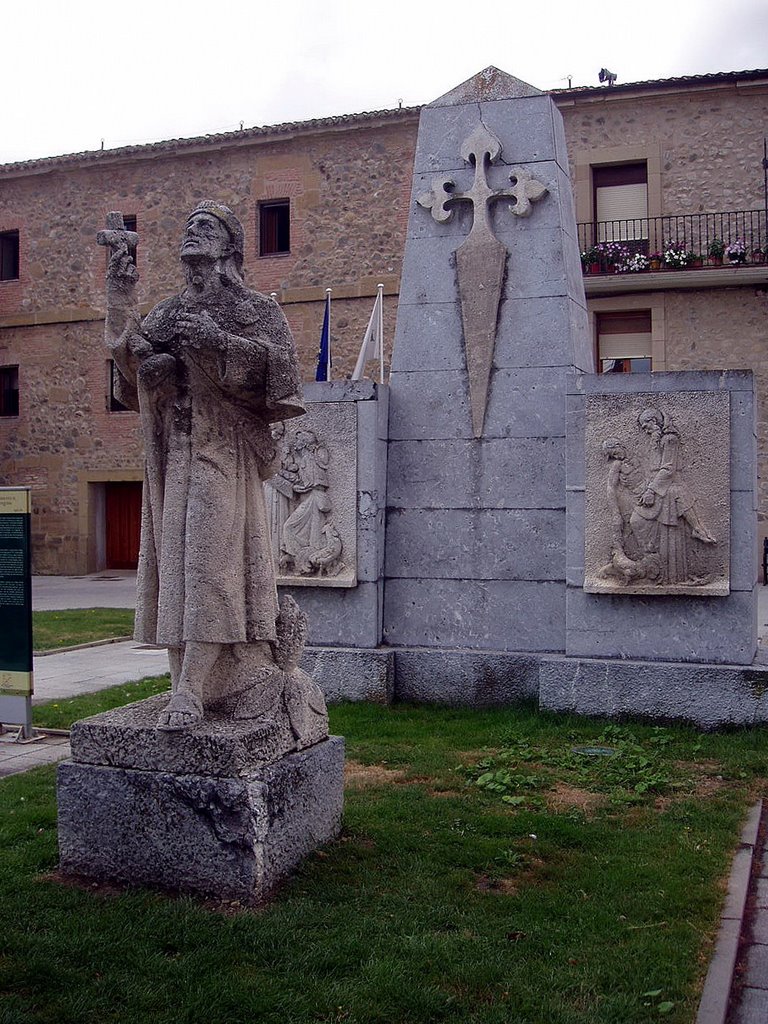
(323, 371)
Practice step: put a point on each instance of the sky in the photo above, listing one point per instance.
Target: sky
(83, 71)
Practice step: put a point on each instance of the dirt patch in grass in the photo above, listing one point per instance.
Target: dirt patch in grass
(706, 781)
(358, 776)
(471, 756)
(511, 885)
(501, 886)
(563, 797)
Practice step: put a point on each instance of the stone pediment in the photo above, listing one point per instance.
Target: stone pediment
(488, 84)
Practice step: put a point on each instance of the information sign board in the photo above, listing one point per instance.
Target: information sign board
(16, 678)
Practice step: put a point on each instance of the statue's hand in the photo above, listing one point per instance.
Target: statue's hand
(200, 329)
(140, 347)
(648, 498)
(121, 269)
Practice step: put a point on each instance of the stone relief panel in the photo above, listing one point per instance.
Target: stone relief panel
(312, 498)
(657, 508)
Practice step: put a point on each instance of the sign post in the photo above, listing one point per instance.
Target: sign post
(16, 680)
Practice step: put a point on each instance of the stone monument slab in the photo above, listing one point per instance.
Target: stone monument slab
(682, 623)
(491, 325)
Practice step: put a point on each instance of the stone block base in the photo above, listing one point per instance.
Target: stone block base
(709, 696)
(461, 678)
(349, 673)
(231, 838)
(128, 737)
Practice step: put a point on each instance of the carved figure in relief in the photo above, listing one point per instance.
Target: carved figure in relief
(311, 544)
(654, 515)
(280, 491)
(208, 370)
(624, 485)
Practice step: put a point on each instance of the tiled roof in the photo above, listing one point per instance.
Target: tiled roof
(323, 123)
(174, 145)
(716, 78)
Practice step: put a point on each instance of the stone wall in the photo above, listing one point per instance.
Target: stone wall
(707, 144)
(725, 328)
(63, 431)
(348, 192)
(709, 140)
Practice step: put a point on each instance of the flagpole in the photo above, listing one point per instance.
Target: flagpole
(380, 299)
(328, 364)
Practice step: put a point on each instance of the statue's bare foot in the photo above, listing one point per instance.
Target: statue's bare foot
(704, 536)
(182, 712)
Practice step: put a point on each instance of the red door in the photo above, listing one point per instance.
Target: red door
(123, 524)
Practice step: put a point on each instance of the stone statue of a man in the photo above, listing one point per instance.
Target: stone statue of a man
(209, 370)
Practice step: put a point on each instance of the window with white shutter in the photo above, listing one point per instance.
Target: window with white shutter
(624, 341)
(621, 202)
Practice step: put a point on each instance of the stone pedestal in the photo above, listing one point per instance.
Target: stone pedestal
(231, 827)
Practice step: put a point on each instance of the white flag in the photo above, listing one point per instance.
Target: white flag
(373, 339)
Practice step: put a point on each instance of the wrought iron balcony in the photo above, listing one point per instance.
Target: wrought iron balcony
(737, 238)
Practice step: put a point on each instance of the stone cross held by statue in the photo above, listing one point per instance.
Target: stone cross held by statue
(116, 237)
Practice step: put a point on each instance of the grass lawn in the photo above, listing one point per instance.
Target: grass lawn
(486, 873)
(79, 626)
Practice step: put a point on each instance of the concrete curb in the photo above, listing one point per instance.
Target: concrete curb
(82, 647)
(713, 1008)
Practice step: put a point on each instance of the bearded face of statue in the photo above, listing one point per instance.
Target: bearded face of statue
(205, 237)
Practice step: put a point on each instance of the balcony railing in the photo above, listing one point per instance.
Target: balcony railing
(675, 242)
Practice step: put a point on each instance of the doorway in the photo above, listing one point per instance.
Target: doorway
(122, 521)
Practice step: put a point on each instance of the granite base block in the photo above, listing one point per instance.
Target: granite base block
(709, 696)
(465, 678)
(346, 673)
(128, 737)
(230, 838)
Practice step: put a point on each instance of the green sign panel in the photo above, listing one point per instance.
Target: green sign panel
(15, 592)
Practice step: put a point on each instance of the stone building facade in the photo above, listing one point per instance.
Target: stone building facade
(344, 184)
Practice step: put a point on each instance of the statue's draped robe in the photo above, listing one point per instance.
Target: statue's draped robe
(206, 570)
(661, 527)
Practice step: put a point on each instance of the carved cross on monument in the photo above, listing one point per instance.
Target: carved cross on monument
(481, 258)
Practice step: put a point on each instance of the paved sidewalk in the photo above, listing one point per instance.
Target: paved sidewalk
(95, 668)
(60, 676)
(112, 589)
(20, 757)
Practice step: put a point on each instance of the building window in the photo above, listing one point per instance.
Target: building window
(129, 222)
(624, 341)
(9, 391)
(129, 219)
(621, 203)
(115, 405)
(9, 255)
(275, 228)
